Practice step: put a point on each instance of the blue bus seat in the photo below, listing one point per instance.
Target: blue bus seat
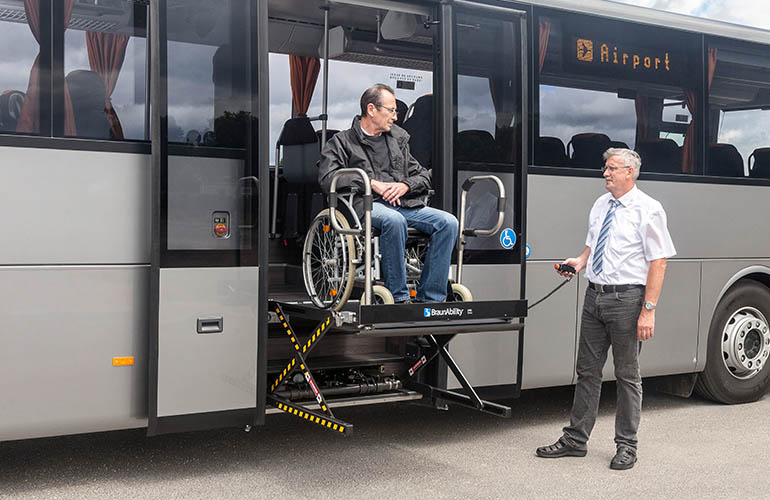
(660, 155)
(761, 165)
(587, 150)
(724, 160)
(550, 152)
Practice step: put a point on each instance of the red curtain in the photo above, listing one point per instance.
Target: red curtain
(106, 53)
(29, 119)
(688, 149)
(545, 32)
(642, 104)
(304, 74)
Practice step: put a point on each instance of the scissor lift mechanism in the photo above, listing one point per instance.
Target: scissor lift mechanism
(428, 320)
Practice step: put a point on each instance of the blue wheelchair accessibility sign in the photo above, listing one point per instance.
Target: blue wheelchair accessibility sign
(507, 238)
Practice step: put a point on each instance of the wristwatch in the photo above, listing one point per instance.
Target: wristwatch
(650, 306)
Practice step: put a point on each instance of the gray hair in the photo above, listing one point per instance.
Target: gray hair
(373, 95)
(630, 158)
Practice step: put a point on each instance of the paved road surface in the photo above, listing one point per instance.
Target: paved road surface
(689, 449)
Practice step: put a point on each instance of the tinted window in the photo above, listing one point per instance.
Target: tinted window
(488, 90)
(105, 56)
(739, 110)
(20, 68)
(208, 84)
(611, 84)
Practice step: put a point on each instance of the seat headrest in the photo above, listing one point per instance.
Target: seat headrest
(89, 98)
(587, 149)
(550, 152)
(660, 155)
(477, 145)
(760, 168)
(401, 108)
(11, 102)
(297, 131)
(724, 160)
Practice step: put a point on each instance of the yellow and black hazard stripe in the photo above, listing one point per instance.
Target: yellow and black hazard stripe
(330, 423)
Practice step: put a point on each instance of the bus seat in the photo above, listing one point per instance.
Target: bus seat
(724, 160)
(587, 150)
(477, 145)
(88, 104)
(329, 134)
(401, 108)
(618, 144)
(420, 128)
(11, 102)
(550, 152)
(300, 154)
(761, 167)
(660, 155)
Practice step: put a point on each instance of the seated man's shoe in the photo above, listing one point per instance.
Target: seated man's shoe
(560, 449)
(624, 459)
(405, 301)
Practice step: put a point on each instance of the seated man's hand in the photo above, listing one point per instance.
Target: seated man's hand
(393, 192)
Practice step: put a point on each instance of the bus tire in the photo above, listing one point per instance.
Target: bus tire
(461, 293)
(738, 349)
(381, 295)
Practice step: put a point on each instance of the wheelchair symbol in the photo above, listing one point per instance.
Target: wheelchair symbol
(507, 238)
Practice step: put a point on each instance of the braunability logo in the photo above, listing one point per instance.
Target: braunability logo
(450, 311)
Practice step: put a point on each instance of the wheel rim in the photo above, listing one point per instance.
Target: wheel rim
(327, 271)
(745, 343)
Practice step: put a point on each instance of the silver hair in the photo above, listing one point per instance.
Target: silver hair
(630, 158)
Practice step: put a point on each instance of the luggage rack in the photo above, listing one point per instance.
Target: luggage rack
(436, 323)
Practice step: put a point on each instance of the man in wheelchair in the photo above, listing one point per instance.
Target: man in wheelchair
(400, 186)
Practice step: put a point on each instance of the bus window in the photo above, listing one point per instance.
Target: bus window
(105, 56)
(605, 84)
(488, 92)
(739, 116)
(20, 69)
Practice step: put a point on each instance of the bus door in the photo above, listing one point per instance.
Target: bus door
(484, 131)
(207, 293)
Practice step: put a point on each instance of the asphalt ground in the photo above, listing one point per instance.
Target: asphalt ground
(689, 449)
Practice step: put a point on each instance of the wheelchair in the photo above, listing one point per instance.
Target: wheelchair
(341, 251)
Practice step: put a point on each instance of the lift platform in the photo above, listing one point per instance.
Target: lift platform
(435, 324)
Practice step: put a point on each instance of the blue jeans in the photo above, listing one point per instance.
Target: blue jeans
(441, 226)
(609, 321)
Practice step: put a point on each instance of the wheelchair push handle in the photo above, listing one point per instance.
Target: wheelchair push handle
(333, 197)
(367, 229)
(500, 204)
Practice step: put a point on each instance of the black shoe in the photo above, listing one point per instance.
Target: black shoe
(560, 449)
(624, 459)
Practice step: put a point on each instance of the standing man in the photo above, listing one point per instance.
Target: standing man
(625, 260)
(381, 148)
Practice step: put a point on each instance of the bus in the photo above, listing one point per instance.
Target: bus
(158, 163)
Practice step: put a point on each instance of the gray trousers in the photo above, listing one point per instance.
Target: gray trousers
(608, 320)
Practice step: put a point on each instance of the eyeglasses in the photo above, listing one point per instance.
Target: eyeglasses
(393, 111)
(612, 168)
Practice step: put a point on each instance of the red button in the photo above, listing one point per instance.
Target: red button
(220, 229)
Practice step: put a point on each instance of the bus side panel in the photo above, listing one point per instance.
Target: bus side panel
(674, 347)
(488, 359)
(63, 328)
(716, 275)
(75, 207)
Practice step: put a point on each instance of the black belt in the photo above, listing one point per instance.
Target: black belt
(612, 288)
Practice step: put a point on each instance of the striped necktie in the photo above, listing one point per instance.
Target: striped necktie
(601, 242)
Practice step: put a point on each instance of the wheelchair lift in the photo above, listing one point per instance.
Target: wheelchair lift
(437, 323)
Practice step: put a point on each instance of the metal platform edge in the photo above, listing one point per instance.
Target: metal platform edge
(359, 401)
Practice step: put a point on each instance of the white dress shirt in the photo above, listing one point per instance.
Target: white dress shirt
(638, 235)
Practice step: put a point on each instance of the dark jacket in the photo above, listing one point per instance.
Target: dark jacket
(350, 149)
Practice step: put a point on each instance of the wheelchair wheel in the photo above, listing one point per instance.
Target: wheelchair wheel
(381, 295)
(327, 262)
(461, 293)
